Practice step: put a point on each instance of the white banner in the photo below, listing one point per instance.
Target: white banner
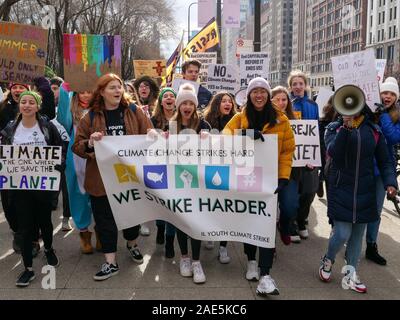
(198, 185)
(253, 65)
(222, 77)
(323, 97)
(206, 58)
(380, 69)
(306, 135)
(359, 69)
(29, 167)
(206, 9)
(231, 14)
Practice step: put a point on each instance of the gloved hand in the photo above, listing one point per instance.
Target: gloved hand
(281, 184)
(380, 108)
(254, 134)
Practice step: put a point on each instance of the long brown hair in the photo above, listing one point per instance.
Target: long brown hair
(161, 121)
(76, 109)
(212, 113)
(194, 121)
(289, 109)
(97, 102)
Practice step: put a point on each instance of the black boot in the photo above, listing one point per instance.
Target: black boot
(160, 235)
(169, 246)
(372, 254)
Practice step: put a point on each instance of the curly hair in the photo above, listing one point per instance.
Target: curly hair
(212, 113)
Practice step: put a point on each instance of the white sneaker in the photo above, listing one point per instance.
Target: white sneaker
(144, 230)
(252, 271)
(65, 226)
(266, 286)
(303, 234)
(295, 238)
(325, 269)
(198, 273)
(223, 255)
(352, 281)
(185, 267)
(210, 245)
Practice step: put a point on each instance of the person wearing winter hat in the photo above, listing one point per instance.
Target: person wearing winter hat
(259, 116)
(187, 117)
(390, 126)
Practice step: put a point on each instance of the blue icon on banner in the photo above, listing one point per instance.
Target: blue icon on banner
(217, 177)
(155, 177)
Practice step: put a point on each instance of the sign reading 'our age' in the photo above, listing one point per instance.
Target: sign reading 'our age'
(29, 167)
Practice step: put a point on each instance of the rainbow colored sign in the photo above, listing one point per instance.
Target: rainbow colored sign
(87, 57)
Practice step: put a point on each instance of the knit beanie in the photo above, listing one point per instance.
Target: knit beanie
(34, 94)
(258, 83)
(186, 92)
(12, 84)
(390, 85)
(167, 89)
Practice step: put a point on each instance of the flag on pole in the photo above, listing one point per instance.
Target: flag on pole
(171, 63)
(206, 40)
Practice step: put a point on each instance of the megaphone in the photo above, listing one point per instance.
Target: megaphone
(240, 98)
(348, 100)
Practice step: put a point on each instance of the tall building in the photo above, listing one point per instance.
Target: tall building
(338, 27)
(383, 32)
(278, 26)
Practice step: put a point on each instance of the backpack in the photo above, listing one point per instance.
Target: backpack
(132, 106)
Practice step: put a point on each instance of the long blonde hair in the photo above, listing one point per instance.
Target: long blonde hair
(76, 109)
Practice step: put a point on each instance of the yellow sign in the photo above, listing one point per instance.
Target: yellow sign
(125, 173)
(207, 40)
(151, 68)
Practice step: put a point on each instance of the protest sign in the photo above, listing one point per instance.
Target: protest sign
(253, 65)
(205, 58)
(244, 46)
(87, 57)
(323, 96)
(306, 135)
(198, 185)
(222, 77)
(359, 69)
(29, 167)
(151, 68)
(23, 51)
(231, 14)
(177, 82)
(380, 69)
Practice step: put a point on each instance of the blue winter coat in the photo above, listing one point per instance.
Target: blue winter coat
(307, 107)
(351, 178)
(391, 131)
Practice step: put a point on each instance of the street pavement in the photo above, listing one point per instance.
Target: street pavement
(295, 268)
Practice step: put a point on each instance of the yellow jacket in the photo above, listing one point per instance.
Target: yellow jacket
(286, 143)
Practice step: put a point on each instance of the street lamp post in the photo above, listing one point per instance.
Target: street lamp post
(189, 20)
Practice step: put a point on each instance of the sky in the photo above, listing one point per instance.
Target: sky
(180, 14)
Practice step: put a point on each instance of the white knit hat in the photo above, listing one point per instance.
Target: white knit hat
(391, 85)
(258, 83)
(186, 92)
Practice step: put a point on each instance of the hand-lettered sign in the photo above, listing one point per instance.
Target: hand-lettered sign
(151, 68)
(23, 51)
(87, 57)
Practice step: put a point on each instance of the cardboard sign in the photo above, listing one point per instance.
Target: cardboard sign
(29, 167)
(151, 68)
(23, 51)
(253, 65)
(306, 135)
(359, 69)
(206, 58)
(88, 57)
(222, 77)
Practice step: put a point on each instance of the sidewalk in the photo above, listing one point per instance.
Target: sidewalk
(295, 270)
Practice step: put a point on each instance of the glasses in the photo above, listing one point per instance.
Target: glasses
(142, 86)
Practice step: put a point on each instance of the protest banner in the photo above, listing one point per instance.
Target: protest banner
(87, 57)
(177, 82)
(359, 69)
(205, 58)
(380, 69)
(25, 167)
(222, 77)
(151, 68)
(199, 185)
(23, 51)
(253, 65)
(207, 40)
(323, 96)
(306, 135)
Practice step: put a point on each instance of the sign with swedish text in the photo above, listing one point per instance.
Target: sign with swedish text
(29, 167)
(214, 188)
(306, 135)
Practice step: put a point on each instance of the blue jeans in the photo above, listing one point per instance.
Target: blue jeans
(373, 227)
(288, 199)
(350, 233)
(170, 229)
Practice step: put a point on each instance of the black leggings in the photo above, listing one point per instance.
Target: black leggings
(106, 227)
(183, 245)
(265, 259)
(33, 206)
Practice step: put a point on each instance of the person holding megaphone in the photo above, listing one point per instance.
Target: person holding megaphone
(353, 146)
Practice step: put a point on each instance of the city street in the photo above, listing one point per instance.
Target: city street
(295, 269)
